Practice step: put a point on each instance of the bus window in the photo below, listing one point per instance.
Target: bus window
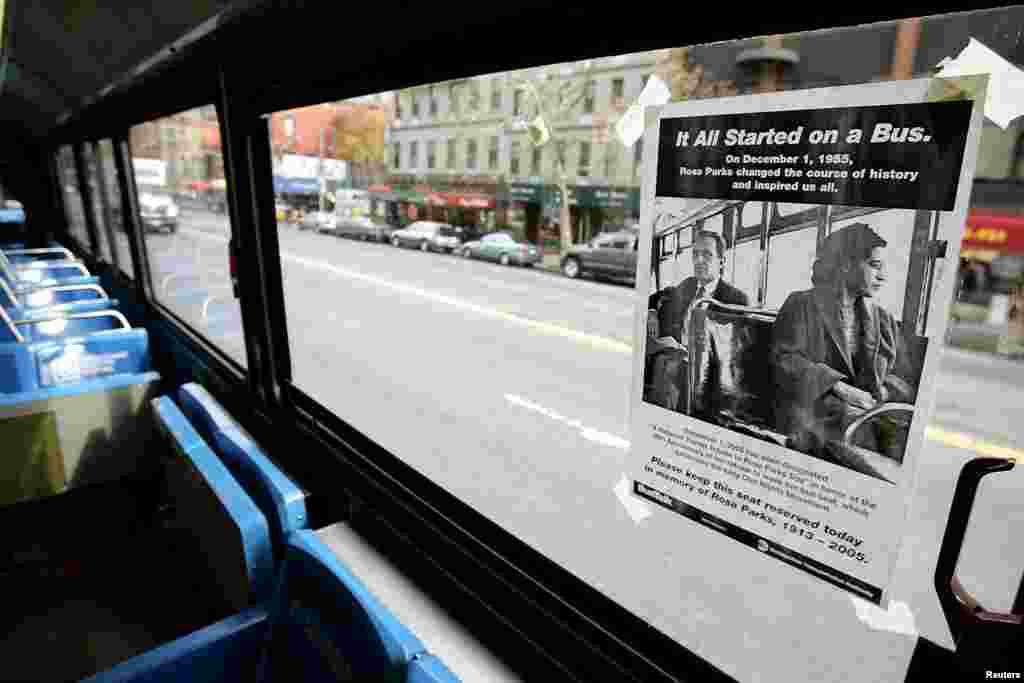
(91, 170)
(73, 208)
(743, 264)
(790, 260)
(510, 388)
(179, 173)
(115, 218)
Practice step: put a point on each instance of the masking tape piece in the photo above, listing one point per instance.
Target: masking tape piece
(897, 619)
(1005, 98)
(630, 127)
(637, 509)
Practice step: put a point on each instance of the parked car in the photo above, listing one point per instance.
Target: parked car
(158, 211)
(502, 247)
(320, 221)
(609, 254)
(427, 236)
(363, 228)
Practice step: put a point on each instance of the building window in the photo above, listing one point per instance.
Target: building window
(495, 94)
(453, 99)
(414, 153)
(638, 156)
(397, 151)
(471, 155)
(415, 106)
(584, 165)
(517, 103)
(588, 98)
(451, 153)
(433, 101)
(618, 91)
(430, 153)
(513, 158)
(535, 160)
(492, 154)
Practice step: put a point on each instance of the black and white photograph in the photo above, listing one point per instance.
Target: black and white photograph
(798, 324)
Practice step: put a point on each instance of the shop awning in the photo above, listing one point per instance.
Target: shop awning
(989, 231)
(294, 185)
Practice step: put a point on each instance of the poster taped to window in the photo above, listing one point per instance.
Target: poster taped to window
(795, 293)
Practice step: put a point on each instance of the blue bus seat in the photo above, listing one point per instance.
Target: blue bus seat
(48, 365)
(219, 516)
(227, 650)
(328, 622)
(280, 499)
(321, 625)
(212, 559)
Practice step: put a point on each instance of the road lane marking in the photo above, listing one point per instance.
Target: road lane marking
(969, 443)
(596, 341)
(948, 438)
(588, 433)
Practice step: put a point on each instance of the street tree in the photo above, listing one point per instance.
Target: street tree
(555, 95)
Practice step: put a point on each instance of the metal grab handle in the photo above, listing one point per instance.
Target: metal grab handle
(55, 263)
(69, 256)
(18, 337)
(117, 315)
(883, 409)
(961, 609)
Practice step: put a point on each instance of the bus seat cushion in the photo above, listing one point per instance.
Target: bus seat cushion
(227, 650)
(332, 623)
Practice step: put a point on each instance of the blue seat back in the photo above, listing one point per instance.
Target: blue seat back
(427, 668)
(48, 365)
(329, 626)
(229, 530)
(59, 438)
(282, 502)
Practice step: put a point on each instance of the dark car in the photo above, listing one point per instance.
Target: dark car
(501, 247)
(609, 255)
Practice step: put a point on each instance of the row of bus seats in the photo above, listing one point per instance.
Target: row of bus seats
(143, 543)
(306, 617)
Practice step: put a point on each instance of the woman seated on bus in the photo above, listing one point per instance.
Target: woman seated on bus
(836, 353)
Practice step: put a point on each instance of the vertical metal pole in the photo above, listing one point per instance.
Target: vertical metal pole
(917, 270)
(762, 280)
(101, 187)
(85, 195)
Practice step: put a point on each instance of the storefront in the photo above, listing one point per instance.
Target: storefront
(992, 254)
(301, 193)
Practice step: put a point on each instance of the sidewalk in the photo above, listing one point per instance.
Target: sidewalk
(551, 262)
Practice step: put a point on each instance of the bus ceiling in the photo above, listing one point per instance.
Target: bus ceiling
(68, 65)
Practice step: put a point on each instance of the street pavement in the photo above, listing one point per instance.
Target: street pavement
(510, 386)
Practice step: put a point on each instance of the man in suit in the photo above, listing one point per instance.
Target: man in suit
(668, 320)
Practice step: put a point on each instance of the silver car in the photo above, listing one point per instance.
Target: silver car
(427, 236)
